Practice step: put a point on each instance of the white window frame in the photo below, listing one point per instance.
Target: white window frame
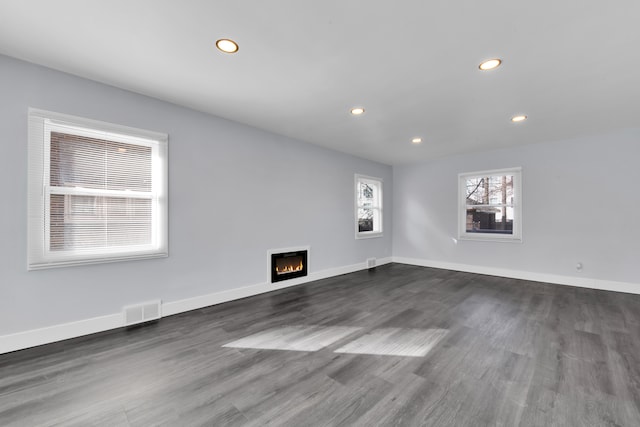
(41, 124)
(516, 236)
(376, 182)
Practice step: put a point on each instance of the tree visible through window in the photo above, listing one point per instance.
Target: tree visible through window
(491, 204)
(368, 207)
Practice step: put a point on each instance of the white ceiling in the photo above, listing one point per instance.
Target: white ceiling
(572, 66)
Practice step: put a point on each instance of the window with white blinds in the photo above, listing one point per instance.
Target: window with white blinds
(97, 191)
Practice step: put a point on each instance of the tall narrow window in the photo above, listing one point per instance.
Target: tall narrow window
(97, 191)
(368, 207)
(490, 205)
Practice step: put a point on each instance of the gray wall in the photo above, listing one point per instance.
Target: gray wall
(581, 202)
(234, 193)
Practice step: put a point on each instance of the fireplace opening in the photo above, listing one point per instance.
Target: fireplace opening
(288, 265)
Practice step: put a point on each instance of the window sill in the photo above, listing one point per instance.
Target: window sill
(490, 238)
(369, 235)
(58, 263)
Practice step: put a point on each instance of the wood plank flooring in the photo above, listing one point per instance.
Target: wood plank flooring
(510, 353)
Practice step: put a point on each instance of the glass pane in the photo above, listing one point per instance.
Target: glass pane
(493, 189)
(89, 222)
(494, 220)
(367, 194)
(78, 161)
(365, 220)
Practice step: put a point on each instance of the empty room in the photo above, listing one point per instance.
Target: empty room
(329, 213)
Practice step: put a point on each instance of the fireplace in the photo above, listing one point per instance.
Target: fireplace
(288, 265)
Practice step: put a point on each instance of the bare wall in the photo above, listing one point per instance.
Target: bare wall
(581, 203)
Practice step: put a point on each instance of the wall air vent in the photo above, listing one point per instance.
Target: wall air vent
(371, 262)
(139, 313)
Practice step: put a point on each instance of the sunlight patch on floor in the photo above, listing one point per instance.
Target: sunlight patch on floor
(295, 338)
(395, 342)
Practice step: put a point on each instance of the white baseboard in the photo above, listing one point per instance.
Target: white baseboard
(582, 282)
(32, 338)
(36, 337)
(195, 303)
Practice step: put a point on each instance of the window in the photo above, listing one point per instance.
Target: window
(368, 207)
(97, 191)
(490, 205)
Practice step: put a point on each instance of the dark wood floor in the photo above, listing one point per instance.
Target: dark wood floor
(516, 353)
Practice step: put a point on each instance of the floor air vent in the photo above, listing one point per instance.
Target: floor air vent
(139, 313)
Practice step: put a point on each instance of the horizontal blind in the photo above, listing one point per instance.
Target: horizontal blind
(87, 222)
(79, 161)
(103, 193)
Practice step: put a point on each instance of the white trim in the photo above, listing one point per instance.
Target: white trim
(36, 337)
(132, 256)
(195, 303)
(98, 127)
(368, 234)
(581, 282)
(41, 124)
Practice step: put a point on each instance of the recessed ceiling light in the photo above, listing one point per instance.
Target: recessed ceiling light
(519, 118)
(356, 111)
(227, 45)
(490, 64)
(416, 140)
